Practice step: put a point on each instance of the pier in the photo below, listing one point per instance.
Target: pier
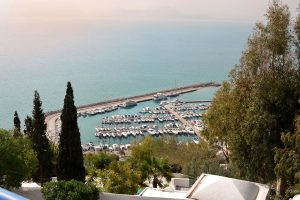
(183, 121)
(53, 116)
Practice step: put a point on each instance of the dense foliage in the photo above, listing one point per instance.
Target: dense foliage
(69, 190)
(191, 159)
(151, 163)
(40, 142)
(70, 157)
(17, 159)
(120, 177)
(260, 101)
(99, 160)
(145, 158)
(288, 161)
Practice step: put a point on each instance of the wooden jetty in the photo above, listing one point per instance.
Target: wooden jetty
(53, 116)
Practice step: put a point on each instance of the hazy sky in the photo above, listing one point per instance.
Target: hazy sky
(45, 10)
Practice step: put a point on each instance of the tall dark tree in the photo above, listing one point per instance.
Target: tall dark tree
(28, 126)
(70, 158)
(40, 141)
(17, 124)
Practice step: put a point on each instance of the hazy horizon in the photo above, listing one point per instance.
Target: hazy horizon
(28, 11)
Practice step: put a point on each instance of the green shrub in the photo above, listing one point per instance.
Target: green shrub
(69, 190)
(99, 160)
(17, 159)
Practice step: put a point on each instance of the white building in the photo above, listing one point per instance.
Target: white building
(207, 187)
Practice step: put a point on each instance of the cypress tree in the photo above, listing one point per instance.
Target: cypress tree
(28, 126)
(17, 125)
(70, 158)
(40, 141)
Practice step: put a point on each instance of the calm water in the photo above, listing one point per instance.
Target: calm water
(88, 124)
(106, 60)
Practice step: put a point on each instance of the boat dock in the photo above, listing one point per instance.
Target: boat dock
(53, 116)
(182, 120)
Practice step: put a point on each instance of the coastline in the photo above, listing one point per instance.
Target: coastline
(53, 116)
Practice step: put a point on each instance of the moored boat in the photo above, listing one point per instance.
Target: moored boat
(159, 97)
(128, 103)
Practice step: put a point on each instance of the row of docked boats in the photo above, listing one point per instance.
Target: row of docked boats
(177, 105)
(128, 104)
(152, 118)
(136, 125)
(128, 119)
(191, 107)
(114, 147)
(154, 131)
(157, 110)
(190, 115)
(97, 111)
(198, 124)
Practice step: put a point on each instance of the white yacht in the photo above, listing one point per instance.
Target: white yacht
(128, 103)
(163, 103)
(159, 97)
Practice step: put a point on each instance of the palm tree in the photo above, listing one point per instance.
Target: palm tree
(156, 168)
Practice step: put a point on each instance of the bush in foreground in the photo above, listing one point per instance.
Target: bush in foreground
(17, 159)
(69, 190)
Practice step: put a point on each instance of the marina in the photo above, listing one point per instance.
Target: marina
(161, 117)
(119, 131)
(150, 116)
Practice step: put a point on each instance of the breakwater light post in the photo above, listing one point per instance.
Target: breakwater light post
(52, 117)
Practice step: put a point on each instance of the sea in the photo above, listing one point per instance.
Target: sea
(111, 59)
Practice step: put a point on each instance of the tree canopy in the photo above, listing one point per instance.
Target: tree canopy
(260, 100)
(18, 160)
(159, 157)
(120, 177)
(99, 160)
(288, 161)
(69, 190)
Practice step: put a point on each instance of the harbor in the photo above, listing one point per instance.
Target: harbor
(172, 118)
(158, 122)
(145, 116)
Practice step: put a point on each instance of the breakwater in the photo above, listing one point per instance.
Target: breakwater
(53, 116)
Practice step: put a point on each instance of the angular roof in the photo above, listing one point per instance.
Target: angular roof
(212, 187)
